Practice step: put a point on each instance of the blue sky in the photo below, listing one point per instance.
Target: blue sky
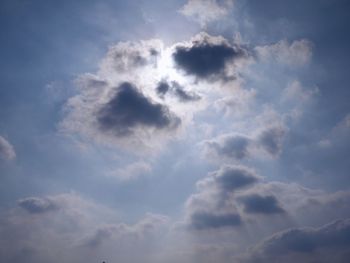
(163, 131)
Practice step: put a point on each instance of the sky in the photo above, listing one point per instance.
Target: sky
(174, 131)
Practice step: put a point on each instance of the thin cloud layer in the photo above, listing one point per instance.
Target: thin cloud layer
(80, 231)
(7, 152)
(206, 11)
(297, 53)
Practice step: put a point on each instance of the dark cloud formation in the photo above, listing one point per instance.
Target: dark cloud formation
(230, 146)
(257, 204)
(206, 58)
(35, 205)
(230, 178)
(212, 207)
(271, 140)
(183, 95)
(239, 147)
(162, 88)
(129, 109)
(177, 90)
(329, 243)
(207, 220)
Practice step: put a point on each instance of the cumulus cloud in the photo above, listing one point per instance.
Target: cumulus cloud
(239, 192)
(129, 110)
(207, 57)
(211, 207)
(206, 11)
(121, 115)
(7, 152)
(238, 147)
(297, 53)
(136, 100)
(328, 243)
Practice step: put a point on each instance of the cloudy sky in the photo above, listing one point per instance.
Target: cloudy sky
(174, 131)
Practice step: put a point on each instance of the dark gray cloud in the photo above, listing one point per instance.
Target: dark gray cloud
(230, 178)
(183, 95)
(162, 88)
(206, 58)
(229, 146)
(257, 204)
(271, 140)
(213, 206)
(129, 109)
(35, 205)
(177, 90)
(329, 243)
(208, 220)
(237, 147)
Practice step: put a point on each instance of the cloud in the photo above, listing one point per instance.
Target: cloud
(211, 207)
(206, 11)
(177, 90)
(257, 204)
(296, 92)
(230, 178)
(206, 220)
(238, 147)
(297, 53)
(329, 243)
(208, 57)
(143, 229)
(79, 231)
(239, 190)
(162, 88)
(231, 146)
(271, 139)
(183, 95)
(132, 171)
(126, 56)
(7, 152)
(35, 205)
(129, 110)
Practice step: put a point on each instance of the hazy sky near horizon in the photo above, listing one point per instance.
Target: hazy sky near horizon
(174, 131)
